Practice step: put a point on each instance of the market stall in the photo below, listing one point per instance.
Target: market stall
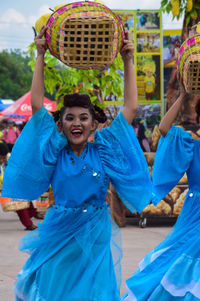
(21, 108)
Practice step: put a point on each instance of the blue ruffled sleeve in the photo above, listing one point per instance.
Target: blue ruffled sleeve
(33, 158)
(172, 160)
(124, 163)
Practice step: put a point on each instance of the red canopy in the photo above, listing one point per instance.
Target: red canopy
(22, 107)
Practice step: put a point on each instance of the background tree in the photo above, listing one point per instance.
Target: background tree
(15, 74)
(190, 10)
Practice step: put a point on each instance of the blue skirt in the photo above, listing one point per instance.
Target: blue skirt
(70, 257)
(171, 272)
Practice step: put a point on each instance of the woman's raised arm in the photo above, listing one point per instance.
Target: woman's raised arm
(170, 116)
(130, 87)
(37, 89)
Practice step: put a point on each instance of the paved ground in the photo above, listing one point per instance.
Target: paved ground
(136, 243)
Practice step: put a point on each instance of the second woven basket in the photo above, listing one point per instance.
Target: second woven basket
(188, 63)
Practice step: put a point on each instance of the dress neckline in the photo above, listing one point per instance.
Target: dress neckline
(74, 157)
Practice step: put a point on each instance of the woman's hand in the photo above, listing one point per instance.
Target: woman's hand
(127, 49)
(171, 114)
(40, 42)
(130, 86)
(181, 85)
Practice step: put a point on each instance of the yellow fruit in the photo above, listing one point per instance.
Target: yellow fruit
(59, 6)
(42, 21)
(189, 5)
(175, 7)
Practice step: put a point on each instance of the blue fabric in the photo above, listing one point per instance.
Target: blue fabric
(33, 158)
(172, 160)
(70, 257)
(171, 271)
(75, 254)
(87, 174)
(116, 152)
(124, 163)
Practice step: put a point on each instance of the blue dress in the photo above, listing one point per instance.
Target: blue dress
(171, 272)
(75, 252)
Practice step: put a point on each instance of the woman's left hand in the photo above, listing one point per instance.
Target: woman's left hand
(127, 50)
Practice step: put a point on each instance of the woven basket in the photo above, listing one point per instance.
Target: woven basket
(85, 35)
(188, 64)
(9, 204)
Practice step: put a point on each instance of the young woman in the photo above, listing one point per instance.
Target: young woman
(70, 252)
(171, 271)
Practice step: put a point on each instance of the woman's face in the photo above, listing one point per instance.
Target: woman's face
(77, 125)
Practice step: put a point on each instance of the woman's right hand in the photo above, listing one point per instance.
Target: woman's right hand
(40, 42)
(181, 85)
(172, 113)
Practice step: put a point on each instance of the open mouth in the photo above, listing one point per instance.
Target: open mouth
(77, 133)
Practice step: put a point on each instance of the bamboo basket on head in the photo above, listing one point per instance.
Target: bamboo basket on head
(188, 63)
(84, 35)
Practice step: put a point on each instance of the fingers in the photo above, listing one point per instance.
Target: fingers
(128, 45)
(181, 83)
(42, 32)
(127, 42)
(40, 41)
(126, 35)
(179, 78)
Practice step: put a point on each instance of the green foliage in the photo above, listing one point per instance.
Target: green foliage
(166, 6)
(15, 74)
(61, 79)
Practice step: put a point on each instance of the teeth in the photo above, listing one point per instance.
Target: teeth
(76, 132)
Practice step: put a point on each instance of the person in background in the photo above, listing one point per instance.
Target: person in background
(149, 85)
(24, 215)
(10, 134)
(3, 159)
(140, 133)
(1, 131)
(4, 124)
(20, 125)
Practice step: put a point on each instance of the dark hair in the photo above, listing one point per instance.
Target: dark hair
(3, 149)
(83, 101)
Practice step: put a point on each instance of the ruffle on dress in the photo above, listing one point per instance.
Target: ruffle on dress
(33, 158)
(172, 159)
(181, 282)
(124, 163)
(70, 252)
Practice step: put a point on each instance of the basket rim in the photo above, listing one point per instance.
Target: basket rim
(182, 50)
(185, 58)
